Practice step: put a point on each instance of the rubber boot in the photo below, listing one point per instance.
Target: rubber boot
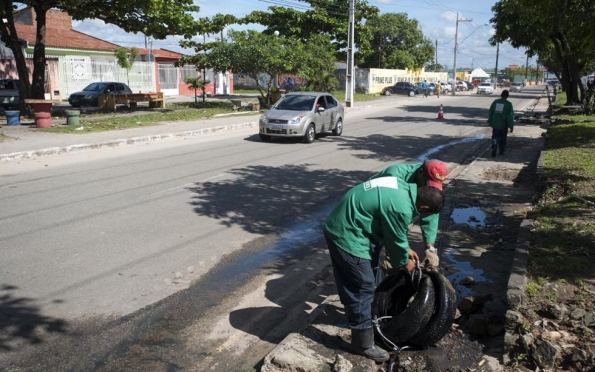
(362, 342)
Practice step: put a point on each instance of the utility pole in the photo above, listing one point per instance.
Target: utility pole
(526, 67)
(454, 65)
(436, 63)
(496, 70)
(349, 73)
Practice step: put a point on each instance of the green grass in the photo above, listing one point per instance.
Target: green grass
(190, 111)
(246, 91)
(357, 97)
(563, 243)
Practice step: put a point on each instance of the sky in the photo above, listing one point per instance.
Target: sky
(436, 17)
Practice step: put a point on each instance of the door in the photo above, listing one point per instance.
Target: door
(323, 117)
(332, 108)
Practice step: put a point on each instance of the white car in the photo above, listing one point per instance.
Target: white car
(485, 88)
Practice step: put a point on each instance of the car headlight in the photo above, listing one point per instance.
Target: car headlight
(264, 119)
(295, 120)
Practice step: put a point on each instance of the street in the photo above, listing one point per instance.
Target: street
(180, 254)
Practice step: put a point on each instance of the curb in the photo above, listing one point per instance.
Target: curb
(121, 142)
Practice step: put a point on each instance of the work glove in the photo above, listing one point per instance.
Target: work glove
(431, 261)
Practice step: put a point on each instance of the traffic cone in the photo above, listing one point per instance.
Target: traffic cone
(441, 113)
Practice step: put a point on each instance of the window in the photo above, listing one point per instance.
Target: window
(189, 72)
(330, 102)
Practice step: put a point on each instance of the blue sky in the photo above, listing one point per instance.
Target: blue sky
(437, 19)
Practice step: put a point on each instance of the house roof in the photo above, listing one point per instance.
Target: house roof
(61, 38)
(161, 53)
(480, 73)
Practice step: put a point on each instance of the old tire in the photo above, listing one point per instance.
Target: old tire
(444, 312)
(310, 134)
(338, 128)
(264, 137)
(410, 310)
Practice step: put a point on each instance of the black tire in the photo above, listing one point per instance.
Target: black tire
(410, 310)
(444, 312)
(338, 128)
(387, 92)
(310, 134)
(264, 137)
(411, 93)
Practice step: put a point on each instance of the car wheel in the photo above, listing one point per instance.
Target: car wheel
(409, 310)
(338, 128)
(264, 137)
(310, 134)
(444, 312)
(411, 93)
(445, 91)
(387, 92)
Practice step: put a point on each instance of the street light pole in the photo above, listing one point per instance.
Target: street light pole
(454, 65)
(349, 81)
(496, 69)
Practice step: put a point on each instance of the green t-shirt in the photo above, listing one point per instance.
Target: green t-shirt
(501, 114)
(406, 172)
(377, 210)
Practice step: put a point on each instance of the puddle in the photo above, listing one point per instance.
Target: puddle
(472, 216)
(462, 269)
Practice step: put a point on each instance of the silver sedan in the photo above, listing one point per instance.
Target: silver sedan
(302, 114)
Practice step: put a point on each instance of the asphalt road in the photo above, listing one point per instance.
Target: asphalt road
(168, 255)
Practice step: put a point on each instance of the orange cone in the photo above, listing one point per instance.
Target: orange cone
(441, 113)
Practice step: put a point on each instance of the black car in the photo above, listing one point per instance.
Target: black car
(402, 87)
(88, 96)
(9, 93)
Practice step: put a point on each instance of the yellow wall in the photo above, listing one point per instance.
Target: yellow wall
(381, 78)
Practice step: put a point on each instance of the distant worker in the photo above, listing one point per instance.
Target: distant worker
(438, 89)
(501, 119)
(424, 87)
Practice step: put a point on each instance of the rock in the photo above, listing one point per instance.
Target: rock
(511, 342)
(579, 356)
(556, 311)
(568, 336)
(551, 336)
(513, 319)
(480, 300)
(467, 281)
(589, 319)
(528, 341)
(546, 354)
(341, 364)
(495, 309)
(477, 325)
(495, 329)
(466, 305)
(578, 314)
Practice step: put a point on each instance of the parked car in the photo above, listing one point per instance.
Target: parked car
(402, 87)
(446, 87)
(9, 93)
(516, 87)
(462, 86)
(431, 89)
(89, 95)
(302, 114)
(485, 88)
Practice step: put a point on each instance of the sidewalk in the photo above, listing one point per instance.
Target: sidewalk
(25, 142)
(485, 248)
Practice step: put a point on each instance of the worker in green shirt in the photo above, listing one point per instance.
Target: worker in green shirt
(378, 210)
(501, 119)
(431, 172)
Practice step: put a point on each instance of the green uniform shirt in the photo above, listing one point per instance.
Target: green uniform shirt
(379, 210)
(406, 172)
(501, 114)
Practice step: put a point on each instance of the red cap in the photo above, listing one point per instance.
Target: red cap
(437, 172)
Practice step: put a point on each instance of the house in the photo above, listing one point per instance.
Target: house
(75, 59)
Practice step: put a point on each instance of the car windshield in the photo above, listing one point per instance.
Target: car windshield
(94, 87)
(486, 84)
(516, 84)
(296, 103)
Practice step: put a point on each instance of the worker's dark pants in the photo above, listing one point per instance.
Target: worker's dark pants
(499, 138)
(355, 282)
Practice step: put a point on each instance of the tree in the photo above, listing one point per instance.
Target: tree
(435, 67)
(397, 43)
(263, 56)
(156, 18)
(125, 59)
(196, 83)
(555, 30)
(326, 17)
